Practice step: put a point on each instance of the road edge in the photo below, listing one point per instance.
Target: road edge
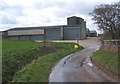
(115, 77)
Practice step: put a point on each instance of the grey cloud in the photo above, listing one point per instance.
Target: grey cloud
(47, 4)
(2, 5)
(11, 9)
(81, 8)
(5, 6)
(8, 20)
(64, 13)
(10, 13)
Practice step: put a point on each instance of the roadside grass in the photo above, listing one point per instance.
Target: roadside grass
(20, 54)
(15, 54)
(107, 60)
(39, 71)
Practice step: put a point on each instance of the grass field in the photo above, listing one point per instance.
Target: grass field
(13, 47)
(15, 54)
(22, 58)
(108, 60)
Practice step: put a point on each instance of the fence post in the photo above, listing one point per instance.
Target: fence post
(118, 44)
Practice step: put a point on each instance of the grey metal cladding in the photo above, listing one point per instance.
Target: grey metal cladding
(71, 33)
(37, 37)
(13, 37)
(71, 21)
(28, 37)
(53, 34)
(24, 37)
(74, 20)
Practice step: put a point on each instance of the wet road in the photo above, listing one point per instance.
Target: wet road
(77, 67)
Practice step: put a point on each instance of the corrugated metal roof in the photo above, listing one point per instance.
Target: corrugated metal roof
(40, 27)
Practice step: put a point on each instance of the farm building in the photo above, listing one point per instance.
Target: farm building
(75, 29)
(87, 32)
(3, 34)
(93, 33)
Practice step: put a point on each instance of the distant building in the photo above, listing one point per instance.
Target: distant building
(75, 21)
(3, 34)
(75, 29)
(0, 34)
(87, 32)
(93, 33)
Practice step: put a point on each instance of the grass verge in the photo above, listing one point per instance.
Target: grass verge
(39, 71)
(17, 54)
(107, 60)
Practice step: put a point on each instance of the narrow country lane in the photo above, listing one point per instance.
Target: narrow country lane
(77, 67)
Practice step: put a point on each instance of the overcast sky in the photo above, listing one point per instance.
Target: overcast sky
(20, 13)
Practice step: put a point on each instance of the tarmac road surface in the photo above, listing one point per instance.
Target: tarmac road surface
(77, 67)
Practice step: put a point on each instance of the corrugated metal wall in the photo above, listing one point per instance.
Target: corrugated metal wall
(37, 37)
(24, 37)
(53, 34)
(28, 37)
(59, 33)
(71, 33)
(13, 37)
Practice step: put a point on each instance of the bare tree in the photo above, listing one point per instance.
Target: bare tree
(107, 16)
